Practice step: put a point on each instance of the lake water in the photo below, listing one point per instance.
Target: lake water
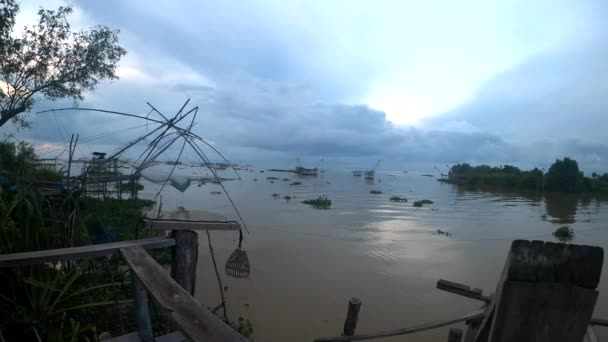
(306, 263)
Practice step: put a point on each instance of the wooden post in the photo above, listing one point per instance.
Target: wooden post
(185, 256)
(354, 305)
(455, 335)
(547, 292)
(142, 312)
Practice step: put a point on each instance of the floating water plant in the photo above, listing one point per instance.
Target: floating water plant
(216, 192)
(287, 198)
(275, 195)
(564, 234)
(375, 192)
(286, 179)
(419, 204)
(272, 178)
(321, 202)
(398, 199)
(295, 183)
(442, 232)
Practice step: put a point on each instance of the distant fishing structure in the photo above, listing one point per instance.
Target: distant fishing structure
(302, 171)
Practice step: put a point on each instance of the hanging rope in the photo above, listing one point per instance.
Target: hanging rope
(217, 275)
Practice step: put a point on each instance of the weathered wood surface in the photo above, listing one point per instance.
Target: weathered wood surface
(175, 336)
(591, 336)
(546, 292)
(194, 321)
(462, 290)
(404, 331)
(190, 225)
(142, 311)
(131, 337)
(599, 321)
(185, 257)
(539, 261)
(455, 335)
(50, 255)
(352, 316)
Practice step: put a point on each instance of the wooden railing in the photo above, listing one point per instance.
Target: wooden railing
(174, 292)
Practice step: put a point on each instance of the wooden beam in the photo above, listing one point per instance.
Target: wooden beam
(185, 257)
(190, 225)
(591, 336)
(192, 319)
(50, 255)
(599, 321)
(175, 336)
(462, 290)
(130, 337)
(142, 311)
(404, 331)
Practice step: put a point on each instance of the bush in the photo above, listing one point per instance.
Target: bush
(321, 202)
(398, 199)
(564, 234)
(419, 204)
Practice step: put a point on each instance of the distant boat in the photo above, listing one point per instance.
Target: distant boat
(357, 173)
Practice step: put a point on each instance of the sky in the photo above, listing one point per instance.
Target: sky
(412, 83)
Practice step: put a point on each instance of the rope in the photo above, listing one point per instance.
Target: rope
(217, 275)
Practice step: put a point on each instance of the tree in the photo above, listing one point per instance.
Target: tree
(564, 176)
(50, 60)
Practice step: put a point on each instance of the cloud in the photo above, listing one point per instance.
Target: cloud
(276, 81)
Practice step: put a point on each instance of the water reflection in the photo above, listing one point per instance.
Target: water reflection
(561, 208)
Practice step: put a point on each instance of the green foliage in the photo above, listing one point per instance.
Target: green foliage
(398, 199)
(51, 60)
(564, 234)
(375, 192)
(419, 204)
(243, 327)
(321, 202)
(506, 176)
(564, 176)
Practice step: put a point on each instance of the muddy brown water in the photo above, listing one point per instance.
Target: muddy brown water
(306, 263)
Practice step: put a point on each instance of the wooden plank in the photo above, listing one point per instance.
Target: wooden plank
(193, 320)
(591, 336)
(352, 316)
(142, 312)
(50, 255)
(599, 321)
(455, 335)
(190, 225)
(404, 331)
(539, 261)
(175, 336)
(131, 337)
(543, 295)
(462, 290)
(185, 258)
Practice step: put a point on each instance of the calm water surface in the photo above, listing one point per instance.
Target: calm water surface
(306, 263)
